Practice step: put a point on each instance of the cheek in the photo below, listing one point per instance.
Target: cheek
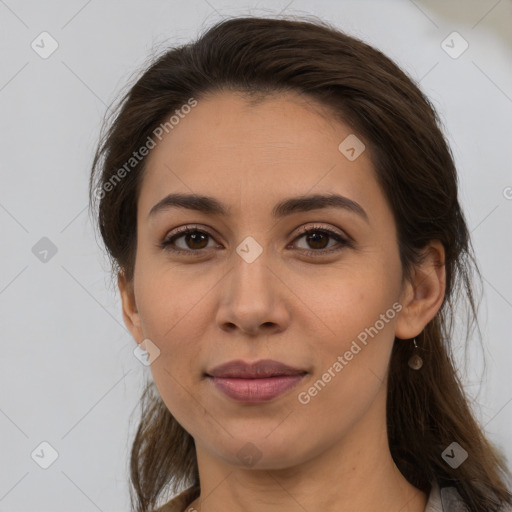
(172, 314)
(172, 323)
(349, 303)
(353, 356)
(171, 303)
(350, 372)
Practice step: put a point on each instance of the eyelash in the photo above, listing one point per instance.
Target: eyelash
(166, 244)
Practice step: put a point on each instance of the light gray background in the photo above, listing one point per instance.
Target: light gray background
(68, 373)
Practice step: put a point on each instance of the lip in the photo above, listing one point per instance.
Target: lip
(238, 369)
(256, 390)
(256, 382)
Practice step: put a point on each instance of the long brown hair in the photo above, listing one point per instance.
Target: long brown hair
(427, 410)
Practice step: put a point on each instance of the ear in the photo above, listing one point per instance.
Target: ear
(423, 295)
(130, 313)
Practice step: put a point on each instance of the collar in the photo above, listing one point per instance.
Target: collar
(445, 499)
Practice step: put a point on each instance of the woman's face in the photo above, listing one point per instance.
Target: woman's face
(251, 286)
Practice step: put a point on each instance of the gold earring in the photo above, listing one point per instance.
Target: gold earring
(415, 361)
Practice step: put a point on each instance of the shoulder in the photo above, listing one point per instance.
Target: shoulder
(180, 502)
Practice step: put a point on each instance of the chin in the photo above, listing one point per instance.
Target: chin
(256, 449)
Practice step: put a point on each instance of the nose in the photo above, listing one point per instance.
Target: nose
(254, 299)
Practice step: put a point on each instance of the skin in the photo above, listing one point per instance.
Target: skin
(331, 454)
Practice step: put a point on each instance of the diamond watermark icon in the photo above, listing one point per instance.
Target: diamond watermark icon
(454, 45)
(249, 249)
(44, 455)
(44, 45)
(454, 455)
(249, 454)
(146, 352)
(351, 147)
(44, 250)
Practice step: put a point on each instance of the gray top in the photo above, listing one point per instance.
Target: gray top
(447, 499)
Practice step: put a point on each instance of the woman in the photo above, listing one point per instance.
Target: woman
(282, 214)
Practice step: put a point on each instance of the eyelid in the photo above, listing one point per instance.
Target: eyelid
(304, 229)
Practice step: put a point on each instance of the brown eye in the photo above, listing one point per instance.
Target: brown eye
(317, 238)
(194, 240)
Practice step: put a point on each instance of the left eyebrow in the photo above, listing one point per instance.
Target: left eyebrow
(210, 205)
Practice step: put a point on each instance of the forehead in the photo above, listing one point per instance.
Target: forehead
(254, 154)
(274, 124)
